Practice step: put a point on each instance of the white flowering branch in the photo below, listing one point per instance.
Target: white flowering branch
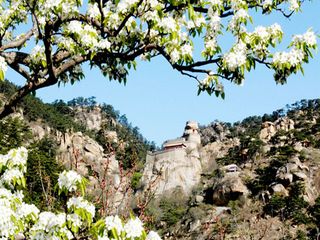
(113, 34)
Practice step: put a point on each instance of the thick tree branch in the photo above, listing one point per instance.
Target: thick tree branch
(18, 43)
(15, 57)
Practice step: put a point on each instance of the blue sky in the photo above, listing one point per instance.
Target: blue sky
(159, 100)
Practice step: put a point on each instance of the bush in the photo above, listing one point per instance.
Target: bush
(135, 180)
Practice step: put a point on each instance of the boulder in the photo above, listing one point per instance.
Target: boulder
(300, 175)
(229, 188)
(199, 199)
(280, 190)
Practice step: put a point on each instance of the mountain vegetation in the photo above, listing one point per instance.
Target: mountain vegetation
(277, 159)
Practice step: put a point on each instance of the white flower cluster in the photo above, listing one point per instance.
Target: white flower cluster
(7, 227)
(49, 226)
(93, 10)
(168, 24)
(238, 4)
(28, 210)
(37, 55)
(51, 9)
(240, 16)
(309, 38)
(17, 158)
(113, 222)
(132, 229)
(298, 54)
(125, 5)
(235, 58)
(293, 57)
(3, 65)
(13, 165)
(80, 203)
(84, 33)
(267, 3)
(69, 180)
(294, 5)
(10, 177)
(262, 37)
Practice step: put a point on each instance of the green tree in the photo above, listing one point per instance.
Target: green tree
(13, 133)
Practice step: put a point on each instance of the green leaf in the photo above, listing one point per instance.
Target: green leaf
(1, 75)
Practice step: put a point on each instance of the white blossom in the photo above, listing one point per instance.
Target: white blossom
(69, 180)
(133, 228)
(75, 27)
(168, 24)
(267, 3)
(104, 44)
(217, 3)
(49, 222)
(233, 60)
(262, 33)
(93, 10)
(309, 38)
(275, 29)
(175, 56)
(186, 50)
(211, 44)
(3, 158)
(79, 202)
(26, 210)
(294, 5)
(74, 219)
(11, 175)
(7, 227)
(37, 54)
(3, 64)
(17, 157)
(294, 58)
(153, 236)
(114, 222)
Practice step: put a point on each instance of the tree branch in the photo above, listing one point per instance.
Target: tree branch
(18, 43)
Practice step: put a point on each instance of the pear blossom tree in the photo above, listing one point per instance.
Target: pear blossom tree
(59, 36)
(77, 221)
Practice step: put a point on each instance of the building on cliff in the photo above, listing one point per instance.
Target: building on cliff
(177, 165)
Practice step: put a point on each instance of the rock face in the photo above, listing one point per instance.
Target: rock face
(230, 187)
(177, 165)
(171, 169)
(269, 129)
(91, 119)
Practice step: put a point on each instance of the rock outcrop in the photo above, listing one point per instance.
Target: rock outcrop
(229, 188)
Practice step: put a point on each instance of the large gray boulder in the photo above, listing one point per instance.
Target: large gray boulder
(230, 187)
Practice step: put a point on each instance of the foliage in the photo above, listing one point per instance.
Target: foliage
(173, 208)
(56, 115)
(265, 176)
(291, 207)
(13, 133)
(42, 175)
(249, 147)
(112, 35)
(135, 180)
